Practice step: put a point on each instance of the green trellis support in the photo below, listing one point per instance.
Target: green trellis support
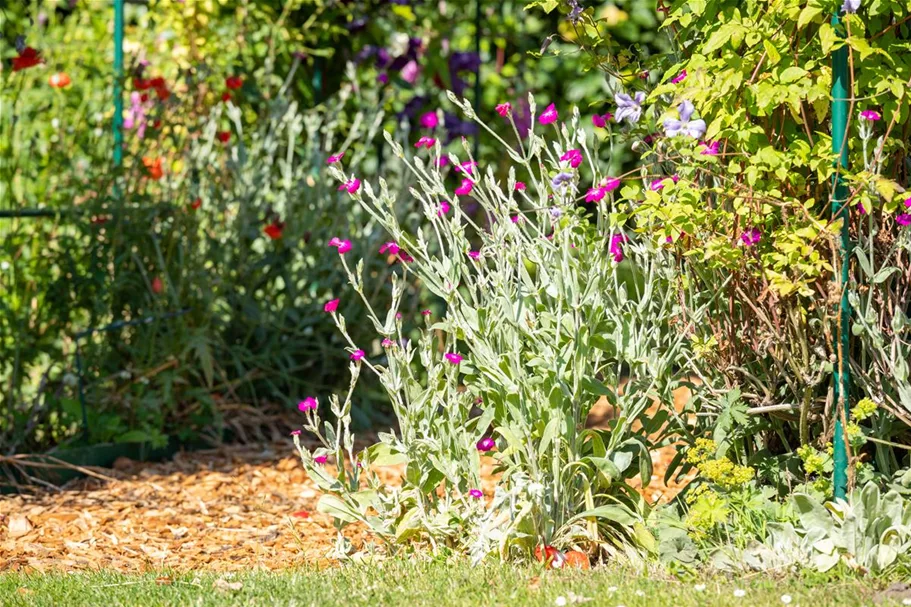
(118, 83)
(839, 205)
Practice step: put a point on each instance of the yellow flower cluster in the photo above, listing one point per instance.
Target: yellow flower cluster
(863, 409)
(721, 471)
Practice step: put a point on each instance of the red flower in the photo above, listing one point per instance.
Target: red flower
(301, 514)
(550, 556)
(59, 80)
(144, 97)
(153, 167)
(224, 136)
(274, 229)
(196, 204)
(226, 96)
(141, 84)
(157, 285)
(234, 82)
(158, 83)
(163, 93)
(29, 57)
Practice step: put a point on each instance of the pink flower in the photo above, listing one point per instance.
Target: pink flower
(549, 116)
(388, 343)
(308, 404)
(520, 186)
(405, 257)
(751, 237)
(476, 494)
(486, 444)
(343, 245)
(335, 158)
(903, 219)
(467, 166)
(574, 157)
(453, 358)
(410, 72)
(425, 312)
(870, 115)
(430, 120)
(295, 433)
(444, 208)
(442, 161)
(861, 208)
(474, 254)
(616, 246)
(357, 355)
(391, 247)
(321, 459)
(658, 184)
(503, 109)
(351, 186)
(711, 149)
(601, 121)
(679, 77)
(465, 188)
(610, 184)
(331, 306)
(425, 142)
(595, 194)
(908, 202)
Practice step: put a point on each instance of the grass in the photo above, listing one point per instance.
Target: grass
(400, 582)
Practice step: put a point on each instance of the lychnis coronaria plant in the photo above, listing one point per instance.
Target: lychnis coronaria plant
(549, 307)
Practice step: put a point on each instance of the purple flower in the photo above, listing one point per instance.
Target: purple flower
(574, 157)
(870, 115)
(474, 254)
(453, 358)
(601, 121)
(321, 459)
(684, 126)
(850, 6)
(429, 120)
(679, 77)
(903, 219)
(560, 179)
(476, 494)
(308, 404)
(616, 246)
(486, 444)
(464, 62)
(711, 148)
(629, 108)
(751, 237)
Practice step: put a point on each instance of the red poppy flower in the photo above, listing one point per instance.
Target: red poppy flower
(59, 80)
(234, 82)
(29, 57)
(157, 82)
(224, 136)
(153, 167)
(141, 84)
(157, 285)
(163, 93)
(274, 229)
(196, 204)
(226, 96)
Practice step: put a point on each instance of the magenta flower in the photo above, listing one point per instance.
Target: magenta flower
(410, 72)
(308, 404)
(453, 358)
(520, 186)
(465, 188)
(295, 433)
(574, 157)
(474, 254)
(425, 312)
(335, 241)
(391, 247)
(343, 245)
(388, 343)
(467, 166)
(425, 142)
(861, 208)
(442, 161)
(870, 115)
(751, 237)
(486, 444)
(321, 459)
(351, 186)
(430, 120)
(549, 116)
(405, 257)
(616, 246)
(711, 148)
(476, 494)
(602, 120)
(503, 109)
(444, 208)
(679, 77)
(908, 202)
(595, 194)
(357, 355)
(335, 158)
(331, 306)
(658, 184)
(903, 219)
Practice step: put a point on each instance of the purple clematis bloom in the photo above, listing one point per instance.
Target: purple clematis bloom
(851, 6)
(629, 108)
(751, 237)
(684, 126)
(560, 179)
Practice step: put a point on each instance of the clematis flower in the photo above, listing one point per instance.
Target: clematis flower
(27, 57)
(335, 158)
(357, 355)
(549, 116)
(616, 246)
(465, 188)
(684, 126)
(561, 178)
(59, 80)
(486, 444)
(850, 6)
(751, 237)
(425, 142)
(444, 208)
(391, 247)
(320, 459)
(234, 82)
(870, 115)
(429, 120)
(474, 254)
(274, 229)
(574, 157)
(351, 186)
(679, 77)
(504, 109)
(331, 306)
(520, 186)
(476, 494)
(453, 358)
(629, 108)
(153, 167)
(602, 120)
(308, 404)
(711, 148)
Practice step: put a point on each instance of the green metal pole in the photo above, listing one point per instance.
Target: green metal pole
(842, 376)
(118, 83)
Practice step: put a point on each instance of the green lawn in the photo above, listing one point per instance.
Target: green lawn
(433, 583)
